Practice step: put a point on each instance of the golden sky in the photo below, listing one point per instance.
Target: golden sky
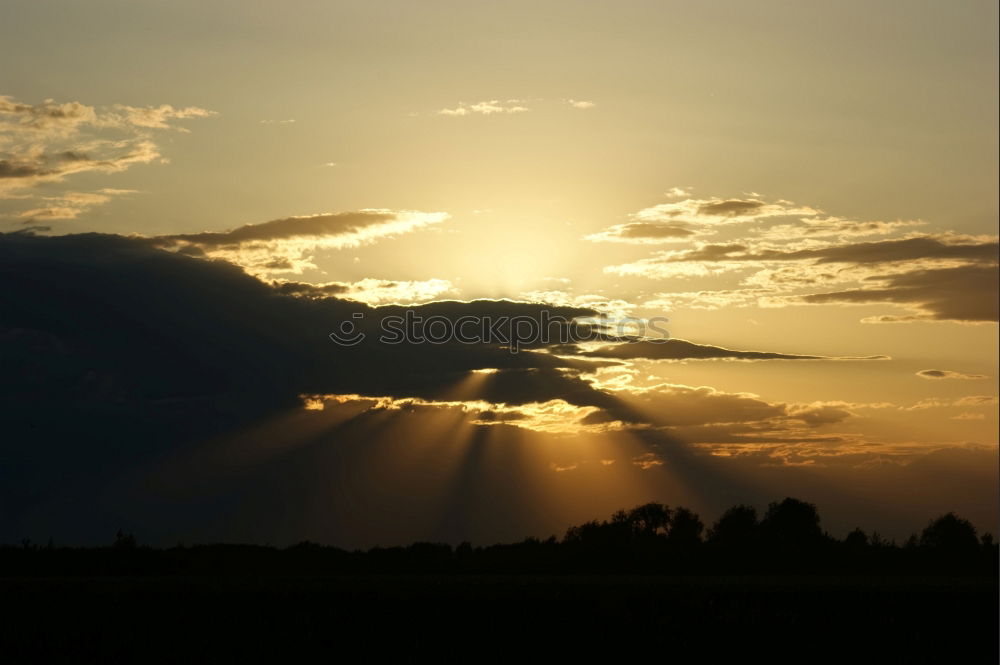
(805, 179)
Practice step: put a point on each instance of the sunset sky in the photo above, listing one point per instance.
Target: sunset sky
(813, 181)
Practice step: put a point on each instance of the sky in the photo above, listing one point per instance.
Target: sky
(193, 195)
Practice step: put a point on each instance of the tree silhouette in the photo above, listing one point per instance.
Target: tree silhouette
(650, 519)
(685, 528)
(792, 522)
(736, 528)
(949, 533)
(124, 541)
(857, 539)
(647, 539)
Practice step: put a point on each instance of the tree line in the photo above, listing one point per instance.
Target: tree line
(652, 538)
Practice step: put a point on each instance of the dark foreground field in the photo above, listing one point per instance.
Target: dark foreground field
(498, 617)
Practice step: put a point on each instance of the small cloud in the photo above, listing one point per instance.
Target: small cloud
(947, 374)
(968, 416)
(329, 164)
(288, 121)
(964, 402)
(580, 104)
(158, 117)
(370, 291)
(646, 461)
(70, 205)
(490, 107)
(111, 191)
(50, 212)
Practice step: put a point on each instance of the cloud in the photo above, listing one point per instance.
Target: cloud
(709, 300)
(229, 327)
(489, 107)
(644, 233)
(715, 211)
(286, 245)
(51, 141)
(373, 291)
(48, 117)
(705, 415)
(821, 413)
(689, 218)
(554, 415)
(679, 349)
(776, 220)
(815, 259)
(947, 374)
(965, 294)
(835, 226)
(967, 401)
(506, 106)
(680, 405)
(69, 205)
(238, 317)
(921, 248)
(157, 117)
(966, 415)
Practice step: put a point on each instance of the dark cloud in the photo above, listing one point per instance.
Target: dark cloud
(654, 230)
(118, 296)
(9, 169)
(882, 251)
(287, 244)
(288, 227)
(947, 374)
(713, 252)
(679, 349)
(964, 293)
(681, 406)
(311, 290)
(946, 279)
(887, 251)
(730, 208)
(116, 354)
(646, 232)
